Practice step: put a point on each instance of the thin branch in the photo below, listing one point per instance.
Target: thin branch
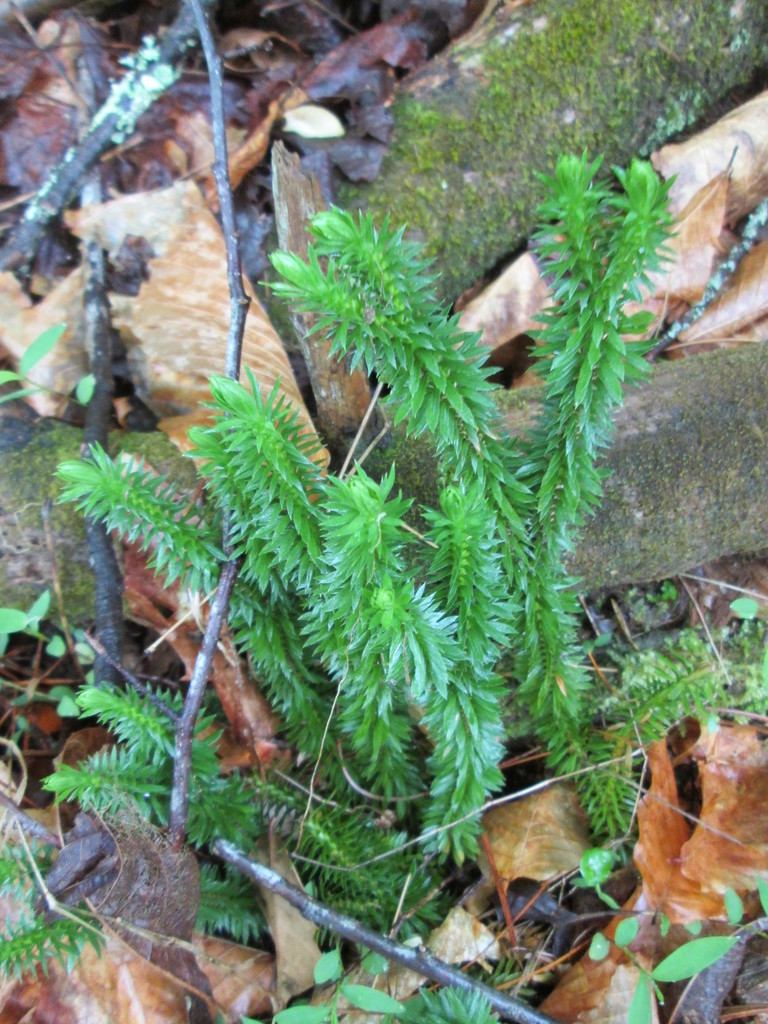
(238, 300)
(29, 825)
(186, 727)
(238, 310)
(132, 680)
(419, 960)
(107, 577)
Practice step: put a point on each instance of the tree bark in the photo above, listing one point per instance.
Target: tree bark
(688, 483)
(476, 125)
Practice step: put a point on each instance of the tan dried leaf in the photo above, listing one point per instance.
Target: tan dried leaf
(743, 132)
(242, 979)
(507, 308)
(115, 984)
(21, 322)
(694, 246)
(740, 308)
(296, 951)
(538, 837)
(176, 327)
(462, 938)
(596, 994)
(601, 990)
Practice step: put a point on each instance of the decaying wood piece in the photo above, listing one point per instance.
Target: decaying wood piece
(342, 396)
(689, 481)
(474, 126)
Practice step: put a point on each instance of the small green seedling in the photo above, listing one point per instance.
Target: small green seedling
(37, 351)
(595, 868)
(684, 962)
(745, 607)
(329, 970)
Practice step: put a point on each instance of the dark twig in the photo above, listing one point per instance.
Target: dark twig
(421, 960)
(238, 310)
(112, 123)
(238, 300)
(716, 284)
(133, 681)
(29, 825)
(186, 727)
(108, 579)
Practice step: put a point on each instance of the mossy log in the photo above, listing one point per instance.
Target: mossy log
(687, 472)
(474, 127)
(688, 481)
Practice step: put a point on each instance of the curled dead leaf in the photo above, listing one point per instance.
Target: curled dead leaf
(538, 837)
(738, 141)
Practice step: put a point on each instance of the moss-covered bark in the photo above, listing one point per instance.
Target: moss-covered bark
(474, 127)
(31, 552)
(688, 470)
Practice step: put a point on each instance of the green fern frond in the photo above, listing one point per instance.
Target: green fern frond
(29, 940)
(259, 468)
(376, 300)
(138, 773)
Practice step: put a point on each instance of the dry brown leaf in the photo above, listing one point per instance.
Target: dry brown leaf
(663, 834)
(81, 744)
(62, 39)
(461, 938)
(600, 991)
(538, 837)
(507, 308)
(708, 154)
(242, 979)
(113, 985)
(730, 845)
(737, 309)
(193, 137)
(693, 247)
(176, 327)
(21, 323)
(296, 952)
(599, 996)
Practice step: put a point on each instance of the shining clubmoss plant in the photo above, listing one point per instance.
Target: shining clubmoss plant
(379, 648)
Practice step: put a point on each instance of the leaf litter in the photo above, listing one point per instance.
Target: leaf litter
(686, 860)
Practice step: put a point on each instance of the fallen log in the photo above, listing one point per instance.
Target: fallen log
(688, 483)
(474, 127)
